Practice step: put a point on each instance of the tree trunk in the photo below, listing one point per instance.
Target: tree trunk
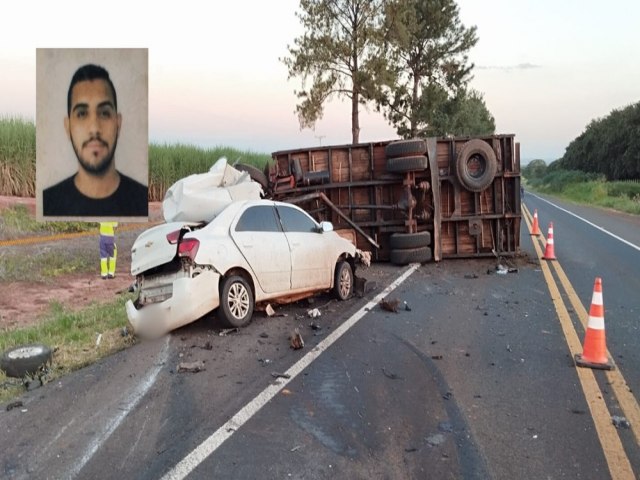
(355, 119)
(414, 107)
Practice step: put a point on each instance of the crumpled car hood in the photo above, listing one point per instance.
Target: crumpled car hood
(202, 196)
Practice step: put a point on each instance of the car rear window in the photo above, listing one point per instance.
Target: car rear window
(258, 219)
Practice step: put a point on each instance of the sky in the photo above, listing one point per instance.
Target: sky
(546, 68)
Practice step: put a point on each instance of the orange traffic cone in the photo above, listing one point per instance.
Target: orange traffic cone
(549, 252)
(594, 352)
(535, 229)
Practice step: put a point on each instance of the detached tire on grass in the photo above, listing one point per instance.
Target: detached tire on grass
(400, 241)
(410, 255)
(25, 360)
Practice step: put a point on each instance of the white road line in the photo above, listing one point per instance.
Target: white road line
(131, 402)
(590, 223)
(211, 444)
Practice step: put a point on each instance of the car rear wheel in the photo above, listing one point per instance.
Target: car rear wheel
(343, 281)
(236, 302)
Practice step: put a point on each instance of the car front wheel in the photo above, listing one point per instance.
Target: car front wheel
(236, 302)
(343, 281)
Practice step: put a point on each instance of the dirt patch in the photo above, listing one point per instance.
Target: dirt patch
(23, 303)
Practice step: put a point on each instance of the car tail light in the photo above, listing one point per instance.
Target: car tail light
(173, 237)
(188, 247)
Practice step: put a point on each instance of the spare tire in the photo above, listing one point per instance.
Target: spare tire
(476, 165)
(27, 359)
(406, 148)
(407, 164)
(399, 241)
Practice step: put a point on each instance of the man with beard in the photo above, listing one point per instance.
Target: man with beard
(93, 125)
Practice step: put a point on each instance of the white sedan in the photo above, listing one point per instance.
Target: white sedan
(252, 252)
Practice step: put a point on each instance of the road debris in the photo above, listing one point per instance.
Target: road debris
(98, 340)
(436, 357)
(390, 305)
(296, 340)
(406, 306)
(620, 422)
(280, 375)
(435, 440)
(191, 367)
(314, 313)
(391, 375)
(13, 405)
(227, 331)
(269, 310)
(264, 361)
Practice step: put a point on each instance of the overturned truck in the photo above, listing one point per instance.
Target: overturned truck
(409, 200)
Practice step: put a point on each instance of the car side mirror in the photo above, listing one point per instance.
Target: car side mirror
(326, 227)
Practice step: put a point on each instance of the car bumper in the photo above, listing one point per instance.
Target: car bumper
(191, 299)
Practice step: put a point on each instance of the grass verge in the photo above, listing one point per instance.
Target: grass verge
(74, 337)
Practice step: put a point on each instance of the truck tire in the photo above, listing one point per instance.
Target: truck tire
(407, 164)
(476, 165)
(25, 360)
(401, 241)
(410, 255)
(406, 148)
(255, 174)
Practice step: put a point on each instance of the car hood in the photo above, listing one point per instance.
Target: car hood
(152, 248)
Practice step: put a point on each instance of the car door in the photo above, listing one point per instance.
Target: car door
(312, 259)
(259, 237)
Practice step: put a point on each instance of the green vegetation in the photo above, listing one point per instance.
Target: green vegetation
(17, 157)
(45, 265)
(73, 335)
(609, 146)
(581, 187)
(169, 163)
(17, 220)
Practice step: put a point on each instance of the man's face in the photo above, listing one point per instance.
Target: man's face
(93, 125)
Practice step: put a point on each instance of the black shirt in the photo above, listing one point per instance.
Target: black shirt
(64, 199)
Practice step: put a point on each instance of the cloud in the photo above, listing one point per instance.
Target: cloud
(520, 66)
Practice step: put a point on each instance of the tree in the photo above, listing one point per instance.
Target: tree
(428, 48)
(466, 114)
(608, 146)
(339, 52)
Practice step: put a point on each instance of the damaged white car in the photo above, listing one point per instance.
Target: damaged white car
(251, 252)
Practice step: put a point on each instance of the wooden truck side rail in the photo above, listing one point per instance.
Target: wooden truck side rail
(461, 195)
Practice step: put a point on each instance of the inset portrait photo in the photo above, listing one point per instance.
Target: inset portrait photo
(92, 138)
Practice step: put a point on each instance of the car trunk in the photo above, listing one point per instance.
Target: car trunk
(157, 246)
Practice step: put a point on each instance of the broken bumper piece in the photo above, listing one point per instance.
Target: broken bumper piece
(191, 299)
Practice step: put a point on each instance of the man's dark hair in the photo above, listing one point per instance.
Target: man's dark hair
(90, 72)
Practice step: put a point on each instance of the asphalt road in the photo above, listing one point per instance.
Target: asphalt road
(475, 380)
